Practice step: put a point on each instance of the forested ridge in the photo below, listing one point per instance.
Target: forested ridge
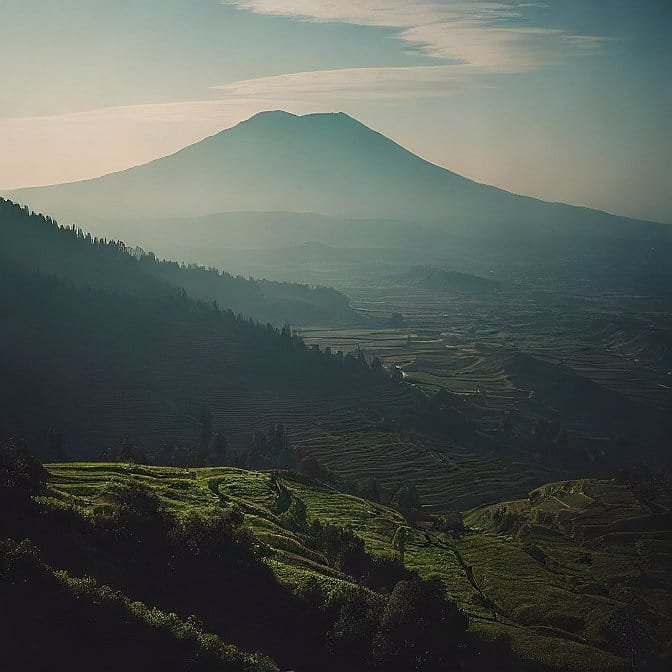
(96, 365)
(36, 242)
(93, 348)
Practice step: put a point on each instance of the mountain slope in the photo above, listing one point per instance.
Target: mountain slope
(32, 242)
(104, 345)
(328, 164)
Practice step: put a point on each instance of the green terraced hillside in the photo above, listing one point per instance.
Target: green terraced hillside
(576, 575)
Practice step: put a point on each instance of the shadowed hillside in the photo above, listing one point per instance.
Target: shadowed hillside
(109, 351)
(32, 242)
(142, 563)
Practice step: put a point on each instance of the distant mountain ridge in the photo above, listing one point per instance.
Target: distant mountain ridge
(34, 243)
(446, 280)
(327, 164)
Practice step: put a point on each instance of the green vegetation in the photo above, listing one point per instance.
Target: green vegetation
(159, 557)
(110, 628)
(527, 571)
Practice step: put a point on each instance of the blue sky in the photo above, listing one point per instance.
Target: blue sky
(565, 99)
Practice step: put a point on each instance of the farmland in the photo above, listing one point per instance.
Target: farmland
(573, 335)
(595, 363)
(558, 572)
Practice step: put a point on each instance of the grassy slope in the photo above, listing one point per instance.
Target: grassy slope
(554, 610)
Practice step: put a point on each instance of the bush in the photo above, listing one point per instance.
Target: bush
(52, 621)
(419, 629)
(415, 628)
(407, 500)
(314, 469)
(450, 523)
(214, 541)
(21, 474)
(136, 513)
(351, 637)
(368, 489)
(295, 517)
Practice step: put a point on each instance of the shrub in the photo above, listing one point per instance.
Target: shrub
(295, 517)
(419, 629)
(21, 474)
(314, 469)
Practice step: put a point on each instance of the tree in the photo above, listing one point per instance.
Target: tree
(278, 439)
(21, 474)
(125, 451)
(205, 430)
(313, 468)
(407, 500)
(218, 449)
(451, 522)
(351, 636)
(166, 454)
(283, 498)
(419, 629)
(213, 541)
(55, 445)
(399, 542)
(137, 518)
(129, 452)
(368, 489)
(295, 518)
(181, 457)
(258, 454)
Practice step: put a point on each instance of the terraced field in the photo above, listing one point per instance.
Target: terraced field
(94, 383)
(564, 573)
(595, 362)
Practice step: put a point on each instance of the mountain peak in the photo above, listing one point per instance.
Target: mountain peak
(326, 163)
(282, 116)
(266, 115)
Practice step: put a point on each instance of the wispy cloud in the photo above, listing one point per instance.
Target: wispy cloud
(495, 37)
(472, 42)
(330, 87)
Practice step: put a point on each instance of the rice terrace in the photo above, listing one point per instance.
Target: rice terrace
(588, 543)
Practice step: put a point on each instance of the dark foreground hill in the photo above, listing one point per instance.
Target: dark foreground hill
(144, 580)
(575, 576)
(327, 164)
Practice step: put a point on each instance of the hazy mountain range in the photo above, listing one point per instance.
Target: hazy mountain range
(326, 164)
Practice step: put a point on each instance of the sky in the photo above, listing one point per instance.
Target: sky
(565, 100)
